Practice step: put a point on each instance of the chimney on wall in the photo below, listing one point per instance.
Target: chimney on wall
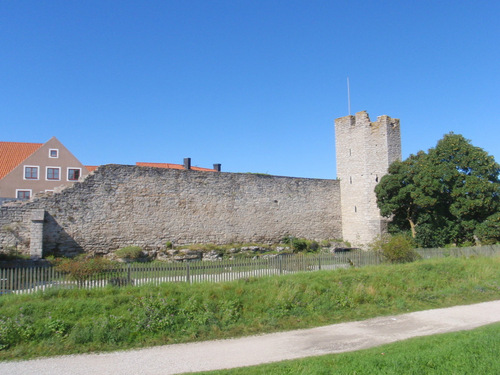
(187, 163)
(217, 167)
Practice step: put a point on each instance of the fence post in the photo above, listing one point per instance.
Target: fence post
(319, 262)
(188, 279)
(281, 264)
(129, 279)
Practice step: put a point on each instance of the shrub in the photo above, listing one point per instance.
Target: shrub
(301, 244)
(11, 253)
(395, 249)
(81, 268)
(129, 253)
(313, 246)
(325, 243)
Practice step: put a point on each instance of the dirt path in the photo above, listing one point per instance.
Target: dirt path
(212, 355)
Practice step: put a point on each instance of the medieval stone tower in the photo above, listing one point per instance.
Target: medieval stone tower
(364, 151)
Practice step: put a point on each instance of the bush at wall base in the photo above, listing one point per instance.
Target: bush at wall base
(398, 248)
(129, 253)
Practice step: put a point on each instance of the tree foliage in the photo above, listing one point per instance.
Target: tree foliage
(451, 194)
(489, 230)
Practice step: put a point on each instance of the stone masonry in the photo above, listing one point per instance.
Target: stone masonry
(122, 205)
(365, 150)
(119, 205)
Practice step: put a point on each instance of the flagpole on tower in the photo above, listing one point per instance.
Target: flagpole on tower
(348, 96)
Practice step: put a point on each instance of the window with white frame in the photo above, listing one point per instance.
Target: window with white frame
(54, 173)
(74, 174)
(53, 153)
(31, 172)
(23, 194)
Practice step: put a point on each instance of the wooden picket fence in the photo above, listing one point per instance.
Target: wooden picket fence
(457, 252)
(29, 279)
(41, 277)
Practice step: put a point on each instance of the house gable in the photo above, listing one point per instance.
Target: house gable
(49, 166)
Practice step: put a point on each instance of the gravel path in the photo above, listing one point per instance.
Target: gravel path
(212, 355)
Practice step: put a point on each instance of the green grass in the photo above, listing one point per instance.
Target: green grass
(79, 321)
(466, 352)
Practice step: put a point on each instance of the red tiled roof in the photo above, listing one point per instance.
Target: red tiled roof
(91, 168)
(14, 153)
(172, 166)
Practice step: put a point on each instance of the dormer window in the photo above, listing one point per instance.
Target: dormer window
(53, 153)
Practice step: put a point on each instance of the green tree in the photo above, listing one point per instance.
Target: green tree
(398, 191)
(488, 232)
(443, 196)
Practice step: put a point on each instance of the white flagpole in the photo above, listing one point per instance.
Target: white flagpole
(348, 96)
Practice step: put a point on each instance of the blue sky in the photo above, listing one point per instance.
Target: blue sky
(254, 85)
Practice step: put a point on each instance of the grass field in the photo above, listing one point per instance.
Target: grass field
(79, 321)
(467, 352)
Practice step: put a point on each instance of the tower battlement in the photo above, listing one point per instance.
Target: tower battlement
(363, 119)
(364, 149)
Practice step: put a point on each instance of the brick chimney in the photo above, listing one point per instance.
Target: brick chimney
(217, 167)
(187, 163)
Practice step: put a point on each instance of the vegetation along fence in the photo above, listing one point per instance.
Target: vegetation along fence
(28, 279)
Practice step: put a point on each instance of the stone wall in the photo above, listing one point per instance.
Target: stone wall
(15, 227)
(118, 205)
